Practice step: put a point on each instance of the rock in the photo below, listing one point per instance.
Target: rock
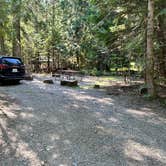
(96, 86)
(69, 83)
(48, 82)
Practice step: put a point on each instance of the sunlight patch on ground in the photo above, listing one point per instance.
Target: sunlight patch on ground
(114, 120)
(54, 137)
(138, 152)
(110, 131)
(10, 114)
(8, 109)
(139, 113)
(152, 117)
(26, 115)
(81, 97)
(157, 121)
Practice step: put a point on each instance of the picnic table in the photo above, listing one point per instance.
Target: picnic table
(69, 74)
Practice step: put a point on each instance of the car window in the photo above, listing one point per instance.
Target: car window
(11, 61)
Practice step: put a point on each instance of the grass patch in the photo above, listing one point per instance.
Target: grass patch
(86, 87)
(112, 78)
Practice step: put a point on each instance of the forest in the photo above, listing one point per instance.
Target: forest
(93, 36)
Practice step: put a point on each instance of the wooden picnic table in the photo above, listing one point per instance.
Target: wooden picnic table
(70, 74)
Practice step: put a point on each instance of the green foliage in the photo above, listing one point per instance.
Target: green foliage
(162, 12)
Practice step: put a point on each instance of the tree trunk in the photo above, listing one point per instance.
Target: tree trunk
(53, 59)
(16, 5)
(161, 34)
(48, 62)
(150, 53)
(78, 61)
(2, 41)
(2, 45)
(53, 35)
(38, 64)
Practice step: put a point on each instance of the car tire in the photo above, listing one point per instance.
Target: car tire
(16, 81)
(1, 82)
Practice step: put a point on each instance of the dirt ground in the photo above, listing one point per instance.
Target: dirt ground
(51, 125)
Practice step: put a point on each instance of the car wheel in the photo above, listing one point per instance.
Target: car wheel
(16, 81)
(1, 82)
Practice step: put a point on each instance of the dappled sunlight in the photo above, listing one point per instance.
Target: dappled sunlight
(138, 113)
(114, 120)
(148, 115)
(98, 114)
(9, 114)
(54, 137)
(11, 142)
(12, 110)
(24, 115)
(157, 120)
(161, 119)
(38, 83)
(107, 119)
(52, 119)
(56, 125)
(24, 151)
(55, 156)
(146, 109)
(109, 131)
(139, 152)
(9, 109)
(87, 97)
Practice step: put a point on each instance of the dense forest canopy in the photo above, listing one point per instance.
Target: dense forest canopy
(98, 35)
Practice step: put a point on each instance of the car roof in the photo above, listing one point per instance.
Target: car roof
(7, 56)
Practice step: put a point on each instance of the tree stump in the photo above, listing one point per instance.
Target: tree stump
(96, 86)
(48, 82)
(69, 83)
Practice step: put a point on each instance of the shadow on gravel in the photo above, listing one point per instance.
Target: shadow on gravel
(132, 131)
(10, 83)
(80, 128)
(14, 150)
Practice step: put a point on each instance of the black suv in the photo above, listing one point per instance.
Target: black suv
(11, 69)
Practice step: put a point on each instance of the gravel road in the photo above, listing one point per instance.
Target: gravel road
(50, 125)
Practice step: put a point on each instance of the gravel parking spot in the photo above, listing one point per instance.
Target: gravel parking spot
(52, 125)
